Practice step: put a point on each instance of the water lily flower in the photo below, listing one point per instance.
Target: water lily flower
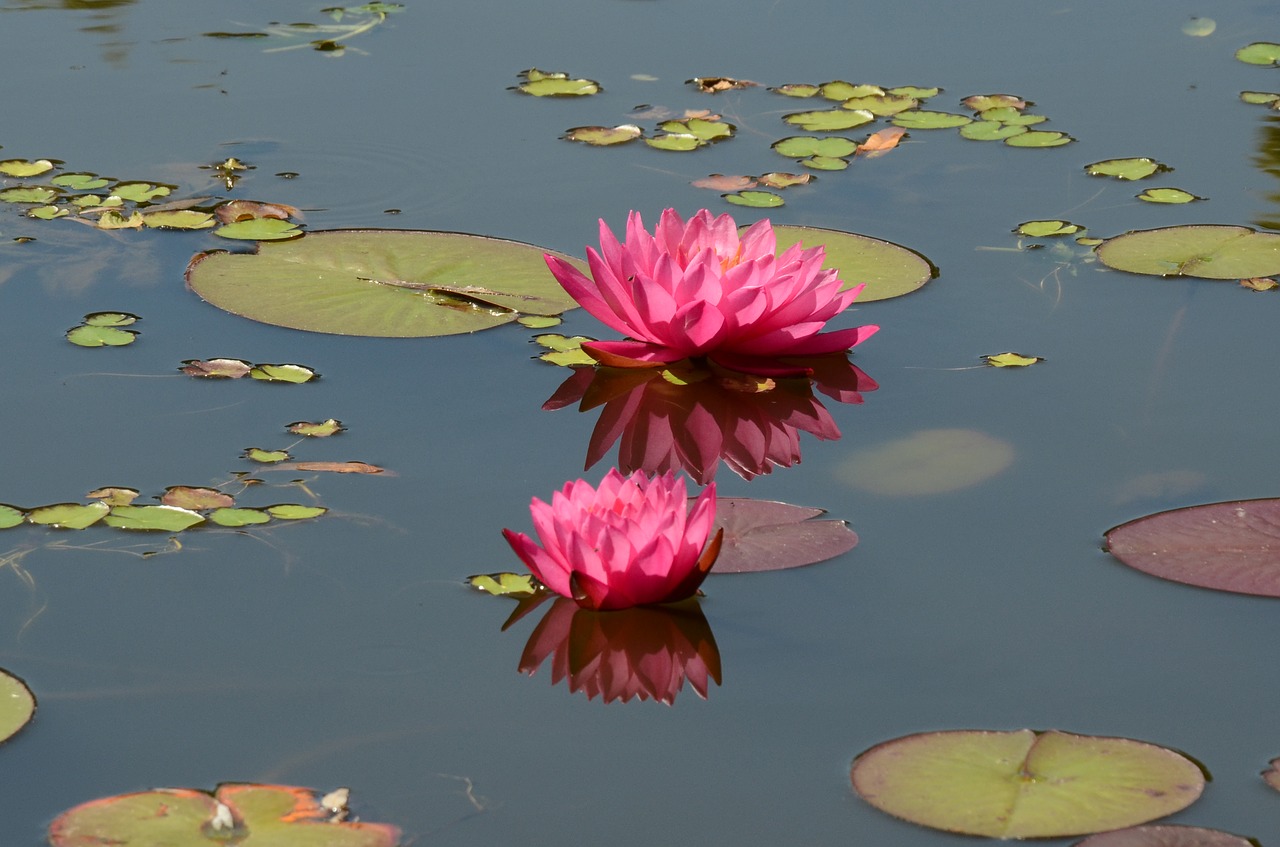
(697, 289)
(647, 653)
(631, 542)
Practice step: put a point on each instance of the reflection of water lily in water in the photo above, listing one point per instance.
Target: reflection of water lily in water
(647, 652)
(698, 289)
(631, 542)
(692, 419)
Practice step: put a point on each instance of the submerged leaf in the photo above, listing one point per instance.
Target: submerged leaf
(931, 461)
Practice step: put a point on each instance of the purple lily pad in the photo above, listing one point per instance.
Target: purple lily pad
(1232, 546)
(1165, 836)
(765, 535)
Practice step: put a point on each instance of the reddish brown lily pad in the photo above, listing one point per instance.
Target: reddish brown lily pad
(1231, 546)
(765, 535)
(1165, 836)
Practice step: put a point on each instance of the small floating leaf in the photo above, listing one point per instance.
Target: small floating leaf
(923, 119)
(720, 182)
(216, 368)
(1260, 53)
(931, 461)
(1135, 168)
(830, 120)
(283, 373)
(539, 321)
(1046, 229)
(755, 199)
(797, 90)
(841, 90)
(17, 705)
(564, 351)
(259, 229)
(506, 584)
(1199, 27)
(990, 131)
(115, 220)
(157, 518)
(100, 336)
(80, 182)
(33, 194)
(705, 130)
(716, 84)
(69, 515)
(323, 429)
(824, 163)
(783, 180)
(114, 495)
(603, 136)
(881, 142)
(47, 213)
(110, 319)
(1167, 195)
(10, 516)
(1024, 784)
(295, 512)
(544, 84)
(266, 457)
(1260, 284)
(914, 91)
(1037, 138)
(1260, 98)
(674, 142)
(196, 497)
(983, 102)
(765, 535)
(1207, 251)
(141, 192)
(1009, 116)
(179, 219)
(24, 168)
(236, 517)
(1011, 360)
(800, 146)
(1228, 546)
(881, 105)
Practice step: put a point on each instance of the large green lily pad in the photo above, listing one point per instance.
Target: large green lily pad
(888, 269)
(17, 705)
(1208, 251)
(382, 282)
(259, 815)
(1025, 784)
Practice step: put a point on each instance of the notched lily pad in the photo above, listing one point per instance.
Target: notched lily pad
(1038, 138)
(801, 146)
(10, 516)
(1260, 53)
(830, 120)
(259, 229)
(266, 457)
(925, 119)
(295, 374)
(32, 194)
(765, 535)
(387, 283)
(154, 518)
(1047, 229)
(1134, 168)
(17, 705)
(1168, 195)
(238, 517)
(754, 199)
(322, 429)
(1207, 251)
(603, 136)
(295, 512)
(887, 269)
(1025, 784)
(101, 336)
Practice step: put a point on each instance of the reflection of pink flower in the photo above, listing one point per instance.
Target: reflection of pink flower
(632, 542)
(753, 425)
(697, 289)
(646, 653)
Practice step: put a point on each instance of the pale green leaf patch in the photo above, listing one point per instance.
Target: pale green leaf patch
(1011, 360)
(1199, 27)
(114, 495)
(990, 131)
(153, 518)
(1045, 229)
(824, 163)
(841, 90)
(539, 321)
(1133, 168)
(69, 515)
(266, 457)
(558, 84)
(1167, 195)
(506, 584)
(100, 336)
(565, 351)
(296, 374)
(754, 199)
(887, 269)
(802, 146)
(924, 119)
(10, 516)
(1260, 53)
(47, 213)
(603, 136)
(675, 142)
(830, 120)
(1206, 251)
(17, 705)
(1037, 138)
(882, 104)
(914, 91)
(179, 219)
(259, 229)
(1011, 116)
(23, 168)
(237, 517)
(114, 220)
(295, 512)
(797, 90)
(110, 319)
(28, 194)
(707, 131)
(777, 179)
(80, 181)
(141, 192)
(1260, 98)
(322, 429)
(983, 102)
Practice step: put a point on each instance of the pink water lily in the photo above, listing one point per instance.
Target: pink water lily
(631, 542)
(698, 289)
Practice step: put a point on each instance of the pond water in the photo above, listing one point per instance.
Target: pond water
(348, 651)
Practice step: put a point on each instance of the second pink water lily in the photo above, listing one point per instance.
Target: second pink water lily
(698, 289)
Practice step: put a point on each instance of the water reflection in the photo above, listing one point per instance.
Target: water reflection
(107, 17)
(1268, 161)
(665, 420)
(648, 652)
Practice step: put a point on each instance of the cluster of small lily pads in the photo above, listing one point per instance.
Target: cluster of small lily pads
(105, 203)
(1265, 54)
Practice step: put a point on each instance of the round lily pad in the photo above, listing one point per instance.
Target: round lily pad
(155, 518)
(765, 535)
(1168, 195)
(754, 199)
(388, 283)
(1260, 53)
(1208, 251)
(1228, 546)
(10, 516)
(887, 269)
(924, 119)
(1025, 784)
(17, 705)
(69, 515)
(1133, 168)
(932, 461)
(830, 120)
(1166, 836)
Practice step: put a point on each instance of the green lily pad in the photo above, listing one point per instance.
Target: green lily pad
(841, 90)
(1045, 229)
(544, 84)
(931, 461)
(830, 120)
(1260, 98)
(32, 194)
(603, 136)
(259, 229)
(506, 584)
(101, 336)
(110, 319)
(1011, 360)
(1025, 784)
(881, 105)
(388, 283)
(887, 269)
(235, 517)
(80, 182)
(797, 89)
(923, 119)
(69, 515)
(1207, 251)
(47, 213)
(1038, 138)
(1133, 168)
(676, 142)
(1010, 116)
(984, 102)
(565, 351)
(179, 219)
(17, 705)
(141, 192)
(801, 146)
(990, 131)
(295, 512)
(539, 321)
(775, 179)
(24, 168)
(824, 163)
(701, 128)
(1260, 53)
(914, 91)
(266, 457)
(754, 199)
(154, 518)
(10, 516)
(1167, 195)
(323, 429)
(267, 815)
(295, 374)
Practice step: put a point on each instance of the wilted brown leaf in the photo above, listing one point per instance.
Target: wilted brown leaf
(216, 368)
(1260, 283)
(879, 143)
(720, 182)
(715, 84)
(240, 210)
(777, 179)
(982, 102)
(334, 467)
(196, 498)
(114, 496)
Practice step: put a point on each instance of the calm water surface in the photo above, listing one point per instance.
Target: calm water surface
(346, 651)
